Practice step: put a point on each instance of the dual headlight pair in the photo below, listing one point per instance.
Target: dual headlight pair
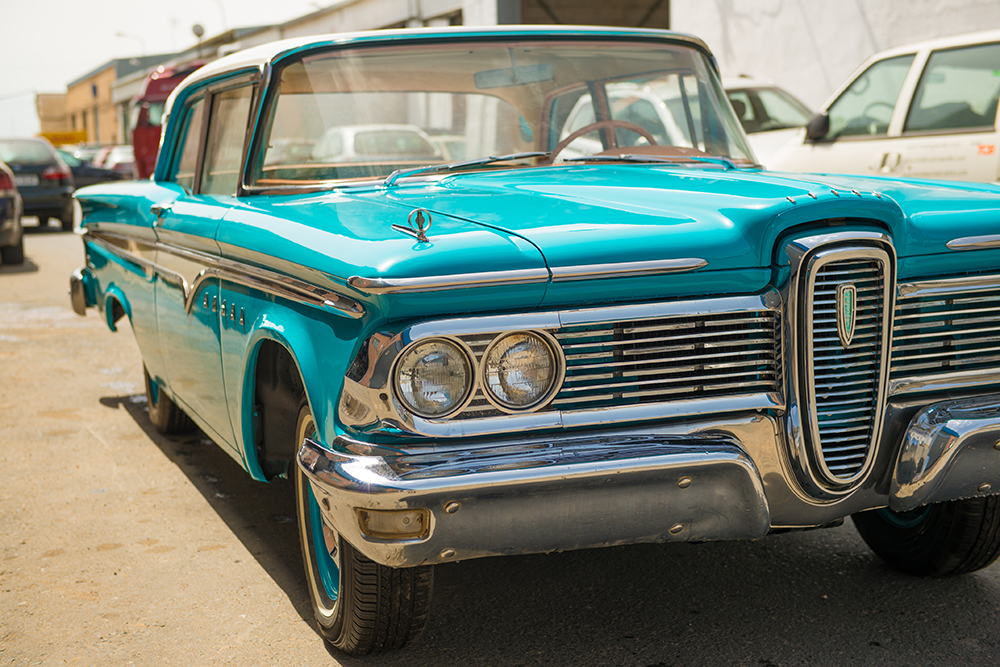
(518, 371)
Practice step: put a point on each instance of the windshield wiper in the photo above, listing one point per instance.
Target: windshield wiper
(627, 157)
(456, 166)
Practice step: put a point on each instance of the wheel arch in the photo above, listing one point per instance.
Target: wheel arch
(276, 371)
(116, 306)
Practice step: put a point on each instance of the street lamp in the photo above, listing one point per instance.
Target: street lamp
(128, 35)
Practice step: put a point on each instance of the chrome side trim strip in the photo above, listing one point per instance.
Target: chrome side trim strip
(230, 271)
(947, 286)
(626, 269)
(975, 242)
(457, 281)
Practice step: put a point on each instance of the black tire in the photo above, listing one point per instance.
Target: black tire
(936, 540)
(67, 221)
(167, 418)
(360, 606)
(13, 254)
(43, 221)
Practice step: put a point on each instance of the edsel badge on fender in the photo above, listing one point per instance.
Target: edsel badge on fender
(604, 325)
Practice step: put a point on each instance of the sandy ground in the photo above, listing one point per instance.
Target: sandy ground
(119, 546)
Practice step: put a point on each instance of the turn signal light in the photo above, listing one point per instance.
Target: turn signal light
(394, 524)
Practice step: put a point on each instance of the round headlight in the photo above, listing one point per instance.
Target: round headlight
(519, 370)
(434, 377)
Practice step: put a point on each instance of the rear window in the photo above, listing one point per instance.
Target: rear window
(25, 151)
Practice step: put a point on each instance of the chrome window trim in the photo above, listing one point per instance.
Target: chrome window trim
(368, 405)
(269, 282)
(803, 445)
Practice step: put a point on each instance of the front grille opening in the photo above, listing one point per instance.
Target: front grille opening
(846, 379)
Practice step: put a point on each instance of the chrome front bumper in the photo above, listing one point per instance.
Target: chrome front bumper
(712, 480)
(950, 451)
(542, 495)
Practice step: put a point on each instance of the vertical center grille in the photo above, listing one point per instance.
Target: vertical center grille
(846, 379)
(846, 305)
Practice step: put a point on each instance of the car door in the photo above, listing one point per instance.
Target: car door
(859, 139)
(190, 308)
(950, 129)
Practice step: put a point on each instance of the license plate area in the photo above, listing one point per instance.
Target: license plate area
(26, 180)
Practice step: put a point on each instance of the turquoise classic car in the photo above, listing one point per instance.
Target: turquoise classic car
(606, 326)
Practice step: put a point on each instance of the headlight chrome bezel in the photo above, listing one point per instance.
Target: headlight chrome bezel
(473, 379)
(558, 372)
(478, 386)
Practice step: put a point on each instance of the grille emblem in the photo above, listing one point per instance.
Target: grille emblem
(847, 295)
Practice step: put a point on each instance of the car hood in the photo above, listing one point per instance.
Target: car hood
(731, 219)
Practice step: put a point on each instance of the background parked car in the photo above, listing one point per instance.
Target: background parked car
(43, 179)
(925, 110)
(86, 173)
(771, 116)
(117, 158)
(11, 234)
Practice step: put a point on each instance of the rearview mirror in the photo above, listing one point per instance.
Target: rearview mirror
(817, 127)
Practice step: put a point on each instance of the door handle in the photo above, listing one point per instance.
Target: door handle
(160, 211)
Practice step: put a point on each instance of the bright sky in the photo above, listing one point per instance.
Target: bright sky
(46, 44)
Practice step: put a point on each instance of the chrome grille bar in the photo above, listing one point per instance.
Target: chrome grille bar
(946, 334)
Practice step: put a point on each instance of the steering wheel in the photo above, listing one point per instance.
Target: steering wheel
(599, 125)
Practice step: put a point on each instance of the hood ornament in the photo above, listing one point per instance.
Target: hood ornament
(418, 222)
(847, 306)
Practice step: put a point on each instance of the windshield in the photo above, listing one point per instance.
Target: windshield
(364, 113)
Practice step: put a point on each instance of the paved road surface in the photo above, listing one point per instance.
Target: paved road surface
(123, 547)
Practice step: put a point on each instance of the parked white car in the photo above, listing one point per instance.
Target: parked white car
(771, 116)
(926, 110)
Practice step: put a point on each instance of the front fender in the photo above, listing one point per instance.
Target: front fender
(320, 344)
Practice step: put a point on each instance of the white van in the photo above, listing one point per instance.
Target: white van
(927, 110)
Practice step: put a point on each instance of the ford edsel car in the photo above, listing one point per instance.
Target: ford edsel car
(617, 331)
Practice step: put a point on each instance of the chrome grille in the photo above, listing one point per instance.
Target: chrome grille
(948, 332)
(668, 359)
(846, 380)
(663, 359)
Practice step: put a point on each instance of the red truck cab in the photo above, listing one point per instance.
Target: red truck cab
(147, 112)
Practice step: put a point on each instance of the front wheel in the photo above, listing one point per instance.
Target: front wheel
(167, 418)
(937, 540)
(361, 607)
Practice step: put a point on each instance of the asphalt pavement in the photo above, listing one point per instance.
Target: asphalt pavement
(119, 546)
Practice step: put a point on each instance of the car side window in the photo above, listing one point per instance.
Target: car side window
(865, 108)
(958, 89)
(187, 166)
(226, 133)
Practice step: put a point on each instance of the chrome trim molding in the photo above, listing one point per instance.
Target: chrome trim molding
(951, 451)
(455, 281)
(947, 286)
(626, 269)
(805, 447)
(975, 242)
(523, 276)
(210, 266)
(641, 487)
